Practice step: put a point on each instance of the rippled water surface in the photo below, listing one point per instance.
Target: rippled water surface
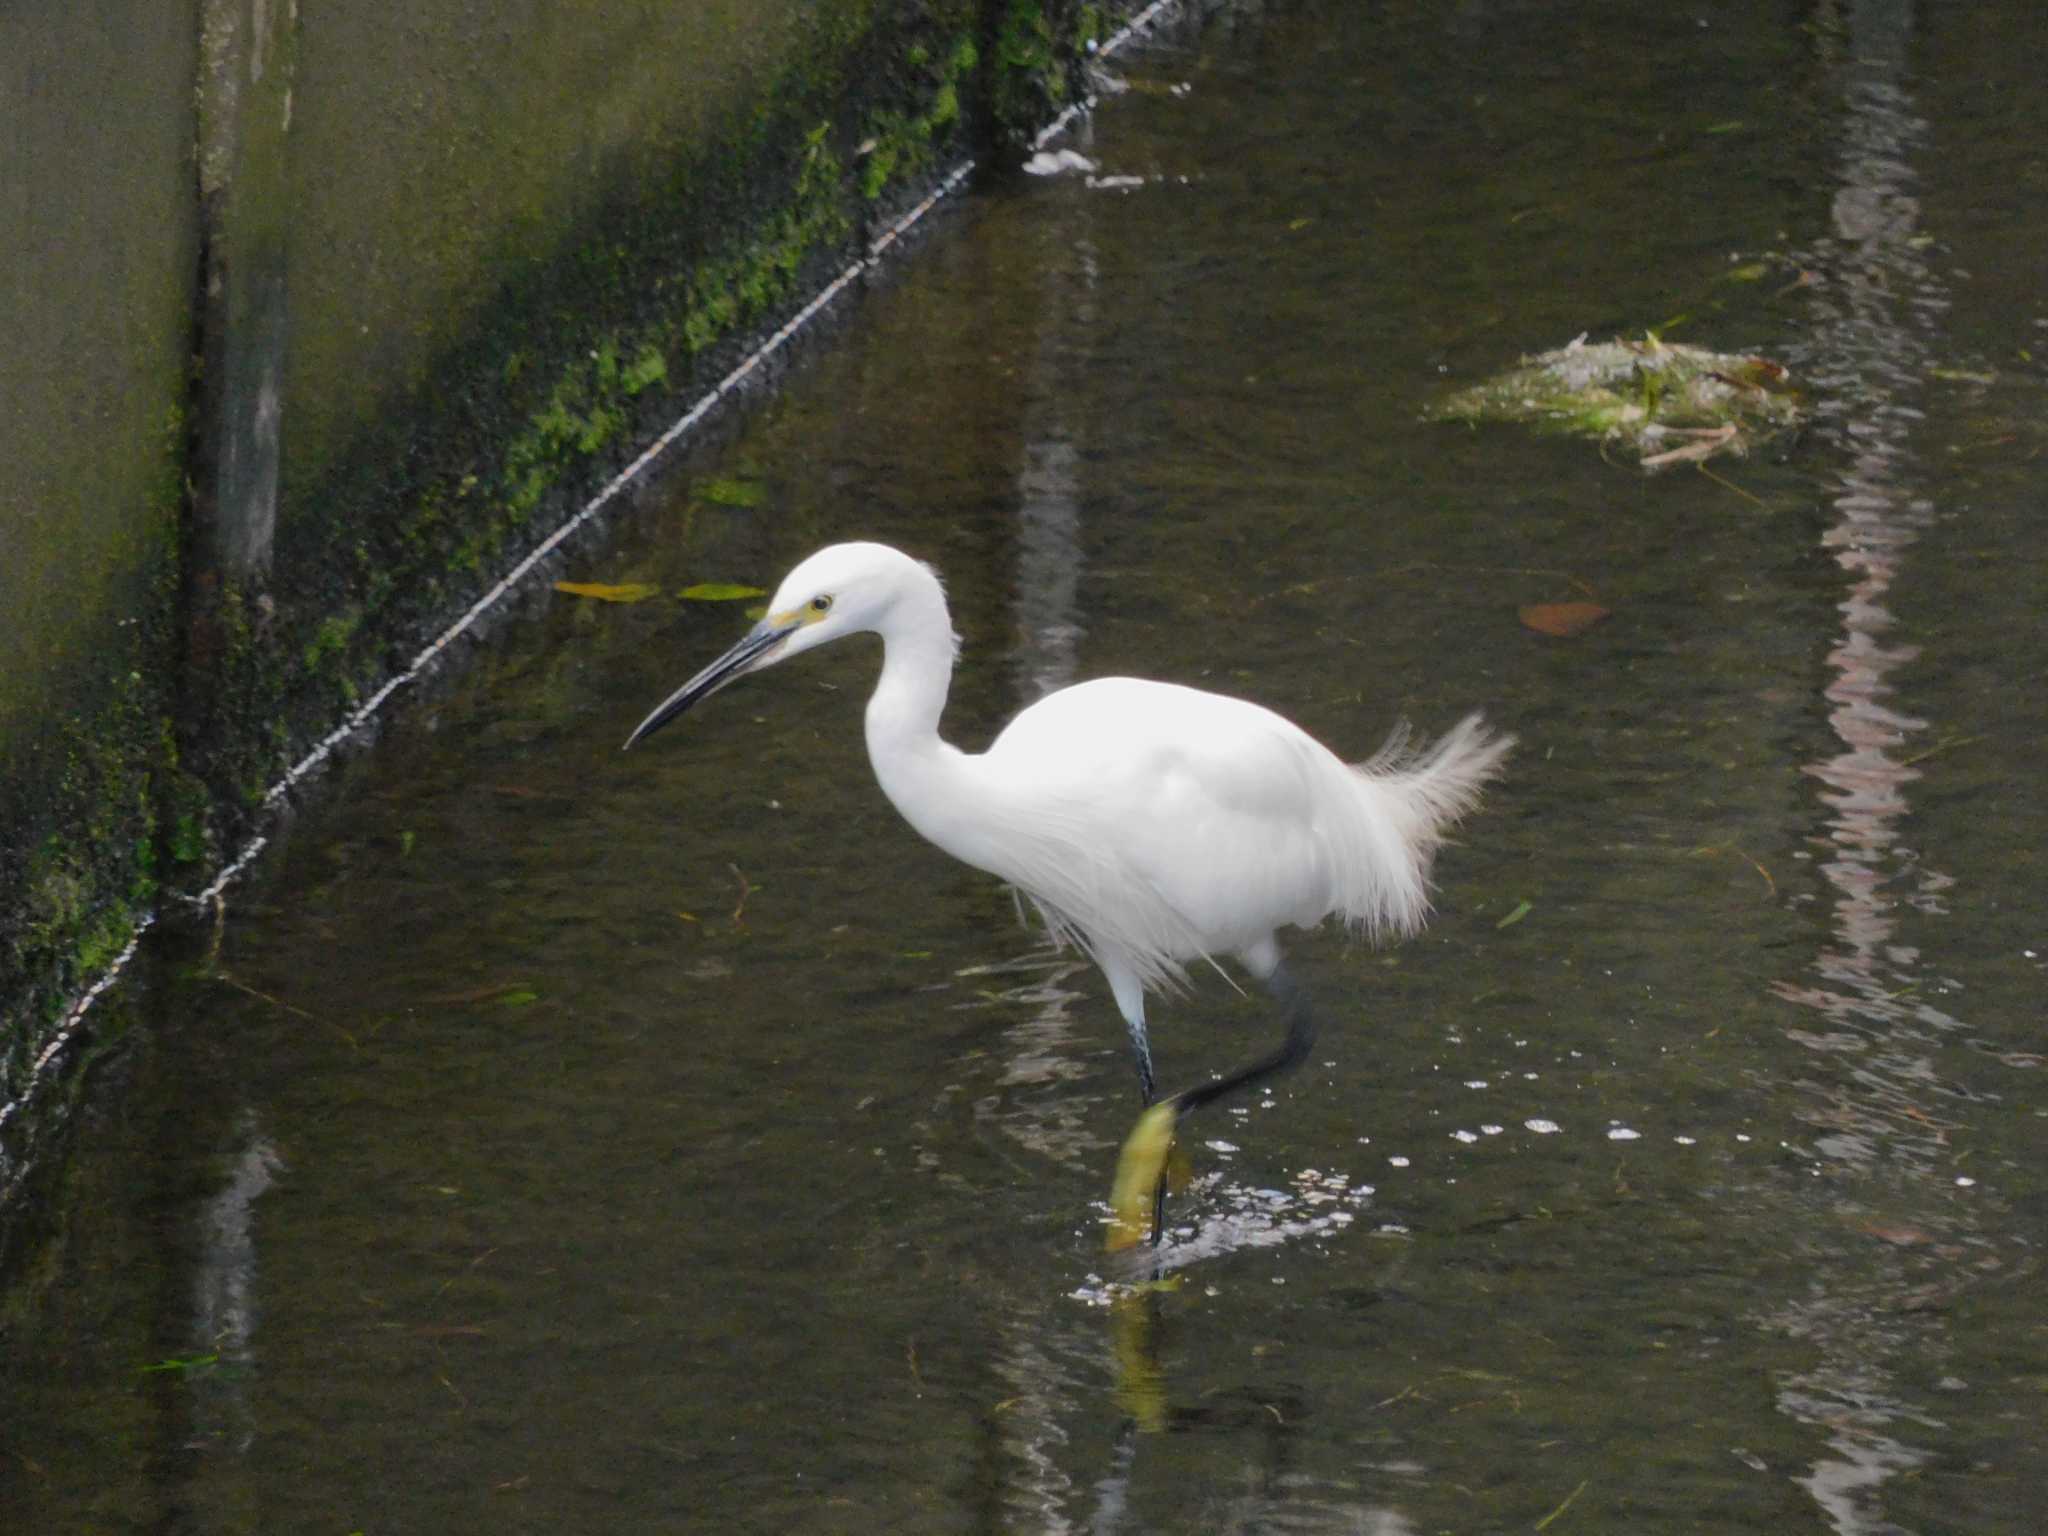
(550, 1139)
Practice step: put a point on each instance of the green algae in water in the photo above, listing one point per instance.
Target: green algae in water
(1672, 403)
(727, 491)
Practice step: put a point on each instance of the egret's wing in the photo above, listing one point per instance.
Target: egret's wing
(1170, 823)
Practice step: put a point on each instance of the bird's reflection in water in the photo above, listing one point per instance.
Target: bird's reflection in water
(1267, 1492)
(1083, 1381)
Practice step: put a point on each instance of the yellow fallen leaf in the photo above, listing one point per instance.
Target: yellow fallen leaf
(720, 592)
(623, 592)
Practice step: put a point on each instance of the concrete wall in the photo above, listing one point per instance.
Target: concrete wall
(312, 321)
(99, 241)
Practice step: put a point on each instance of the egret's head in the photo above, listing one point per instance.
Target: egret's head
(841, 590)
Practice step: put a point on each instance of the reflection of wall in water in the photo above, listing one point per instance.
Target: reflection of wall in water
(1876, 311)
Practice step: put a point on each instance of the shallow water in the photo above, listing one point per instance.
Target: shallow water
(555, 1139)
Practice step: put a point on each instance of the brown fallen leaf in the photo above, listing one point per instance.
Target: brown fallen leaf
(1562, 620)
(622, 592)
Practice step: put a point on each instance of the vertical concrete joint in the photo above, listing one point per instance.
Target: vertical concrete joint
(246, 56)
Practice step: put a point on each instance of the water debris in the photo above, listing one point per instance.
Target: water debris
(1770, 885)
(610, 592)
(1058, 162)
(1567, 1504)
(1673, 404)
(719, 592)
(1104, 83)
(1522, 910)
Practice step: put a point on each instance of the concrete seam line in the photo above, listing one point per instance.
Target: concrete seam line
(1142, 22)
(676, 430)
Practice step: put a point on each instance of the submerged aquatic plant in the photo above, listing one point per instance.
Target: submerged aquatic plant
(1672, 403)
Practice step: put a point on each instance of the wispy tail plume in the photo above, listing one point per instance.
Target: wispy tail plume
(1432, 786)
(1411, 796)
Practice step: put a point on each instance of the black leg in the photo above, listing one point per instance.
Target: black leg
(1146, 1153)
(1148, 1091)
(1159, 1201)
(1301, 1035)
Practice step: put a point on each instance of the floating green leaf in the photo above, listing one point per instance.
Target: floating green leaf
(180, 1363)
(1522, 910)
(482, 994)
(728, 492)
(622, 592)
(719, 592)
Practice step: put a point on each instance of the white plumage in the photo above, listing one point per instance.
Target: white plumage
(1153, 824)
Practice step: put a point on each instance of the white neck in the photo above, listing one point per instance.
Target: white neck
(930, 782)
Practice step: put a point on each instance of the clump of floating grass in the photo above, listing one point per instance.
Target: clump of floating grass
(1670, 403)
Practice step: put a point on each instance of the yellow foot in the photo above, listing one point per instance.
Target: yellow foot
(1138, 1169)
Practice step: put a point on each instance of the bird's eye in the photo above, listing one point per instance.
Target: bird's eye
(822, 603)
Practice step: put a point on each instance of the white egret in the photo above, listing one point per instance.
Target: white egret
(1151, 824)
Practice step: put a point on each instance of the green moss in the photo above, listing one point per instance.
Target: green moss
(59, 897)
(86, 886)
(104, 937)
(186, 843)
(649, 369)
(1036, 48)
(331, 638)
(902, 146)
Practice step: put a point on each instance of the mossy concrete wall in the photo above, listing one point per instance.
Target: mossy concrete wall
(316, 319)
